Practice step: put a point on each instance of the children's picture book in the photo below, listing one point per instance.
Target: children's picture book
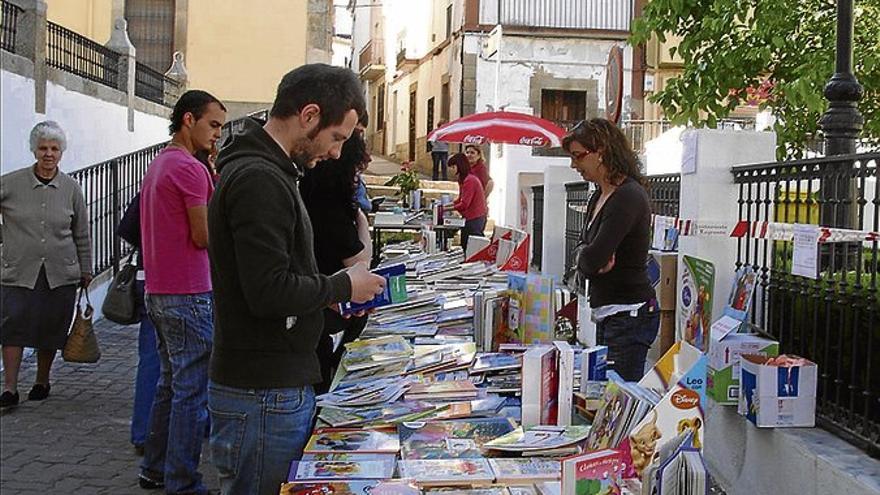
(462, 389)
(325, 440)
(447, 472)
(741, 294)
(395, 487)
(394, 293)
(454, 439)
(539, 438)
(593, 473)
(540, 386)
(341, 470)
(352, 487)
(347, 457)
(372, 352)
(525, 470)
(696, 287)
(565, 385)
(487, 490)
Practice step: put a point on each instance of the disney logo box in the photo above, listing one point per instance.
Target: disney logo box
(778, 391)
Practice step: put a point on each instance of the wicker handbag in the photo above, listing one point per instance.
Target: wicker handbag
(82, 343)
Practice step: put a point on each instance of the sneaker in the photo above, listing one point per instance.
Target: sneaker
(148, 484)
(39, 392)
(8, 399)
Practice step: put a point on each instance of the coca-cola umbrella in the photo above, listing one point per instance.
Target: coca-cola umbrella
(500, 127)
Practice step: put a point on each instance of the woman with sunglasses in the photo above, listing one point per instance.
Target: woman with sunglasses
(613, 246)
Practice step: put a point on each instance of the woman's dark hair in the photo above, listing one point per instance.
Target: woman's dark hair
(336, 90)
(193, 101)
(461, 164)
(603, 137)
(333, 181)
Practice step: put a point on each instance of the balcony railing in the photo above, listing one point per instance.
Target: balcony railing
(8, 25)
(640, 132)
(372, 55)
(833, 320)
(609, 15)
(152, 85)
(74, 53)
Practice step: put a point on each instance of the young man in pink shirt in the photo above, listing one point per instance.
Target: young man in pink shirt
(174, 236)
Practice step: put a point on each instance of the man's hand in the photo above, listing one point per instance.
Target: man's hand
(364, 285)
(84, 280)
(607, 268)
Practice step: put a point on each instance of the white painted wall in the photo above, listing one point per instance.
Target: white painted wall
(710, 195)
(96, 130)
(555, 210)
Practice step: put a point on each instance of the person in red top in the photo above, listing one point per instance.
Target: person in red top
(471, 200)
(478, 167)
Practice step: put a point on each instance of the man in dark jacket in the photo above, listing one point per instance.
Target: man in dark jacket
(268, 291)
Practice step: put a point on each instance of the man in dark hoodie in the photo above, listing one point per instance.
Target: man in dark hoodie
(268, 291)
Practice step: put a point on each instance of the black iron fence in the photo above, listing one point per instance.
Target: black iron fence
(665, 193)
(108, 188)
(74, 53)
(834, 319)
(537, 225)
(8, 25)
(152, 85)
(577, 194)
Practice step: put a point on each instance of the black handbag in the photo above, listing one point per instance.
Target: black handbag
(120, 305)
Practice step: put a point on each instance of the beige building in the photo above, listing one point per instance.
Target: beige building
(237, 50)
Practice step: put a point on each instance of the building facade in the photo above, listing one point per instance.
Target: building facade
(236, 50)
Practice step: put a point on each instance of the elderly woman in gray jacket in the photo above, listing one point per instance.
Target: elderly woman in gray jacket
(45, 253)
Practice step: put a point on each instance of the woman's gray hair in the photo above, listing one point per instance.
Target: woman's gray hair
(50, 131)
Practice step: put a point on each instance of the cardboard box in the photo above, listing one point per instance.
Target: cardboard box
(724, 364)
(667, 330)
(665, 286)
(776, 396)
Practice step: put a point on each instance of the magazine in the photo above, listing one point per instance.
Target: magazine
(522, 470)
(352, 469)
(443, 472)
(456, 439)
(539, 438)
(352, 440)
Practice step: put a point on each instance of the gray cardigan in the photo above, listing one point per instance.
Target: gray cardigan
(43, 225)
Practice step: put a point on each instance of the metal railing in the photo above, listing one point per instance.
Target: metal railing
(577, 195)
(664, 192)
(74, 53)
(373, 53)
(108, 187)
(832, 320)
(152, 85)
(610, 15)
(537, 225)
(8, 25)
(640, 132)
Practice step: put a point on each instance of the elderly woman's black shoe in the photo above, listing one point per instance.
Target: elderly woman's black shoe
(39, 392)
(8, 399)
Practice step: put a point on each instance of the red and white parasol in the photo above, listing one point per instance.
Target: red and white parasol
(500, 127)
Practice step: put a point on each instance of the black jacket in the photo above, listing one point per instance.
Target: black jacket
(268, 294)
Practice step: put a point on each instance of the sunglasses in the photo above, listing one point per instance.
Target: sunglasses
(580, 155)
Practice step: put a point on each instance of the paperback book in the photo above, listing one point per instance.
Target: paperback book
(327, 440)
(447, 472)
(525, 470)
(450, 439)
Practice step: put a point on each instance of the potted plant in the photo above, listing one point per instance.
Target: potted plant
(407, 180)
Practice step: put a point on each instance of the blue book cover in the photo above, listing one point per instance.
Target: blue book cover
(394, 293)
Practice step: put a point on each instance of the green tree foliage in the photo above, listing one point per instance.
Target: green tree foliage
(729, 46)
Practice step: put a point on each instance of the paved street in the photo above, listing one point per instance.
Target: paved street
(77, 440)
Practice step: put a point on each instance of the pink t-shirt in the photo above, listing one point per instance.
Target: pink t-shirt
(173, 264)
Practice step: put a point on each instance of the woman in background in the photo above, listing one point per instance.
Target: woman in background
(341, 236)
(471, 200)
(478, 167)
(613, 246)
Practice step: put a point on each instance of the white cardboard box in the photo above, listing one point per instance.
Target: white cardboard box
(724, 363)
(775, 396)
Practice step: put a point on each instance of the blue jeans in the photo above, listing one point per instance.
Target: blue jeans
(147, 372)
(628, 339)
(184, 325)
(440, 158)
(255, 434)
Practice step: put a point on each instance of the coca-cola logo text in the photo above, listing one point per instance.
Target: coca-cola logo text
(474, 139)
(532, 141)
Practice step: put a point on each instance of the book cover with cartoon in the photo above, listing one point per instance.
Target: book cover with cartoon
(521, 470)
(350, 469)
(454, 439)
(594, 473)
(428, 472)
(696, 288)
(325, 440)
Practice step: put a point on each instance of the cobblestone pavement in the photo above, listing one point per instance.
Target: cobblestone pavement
(77, 440)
